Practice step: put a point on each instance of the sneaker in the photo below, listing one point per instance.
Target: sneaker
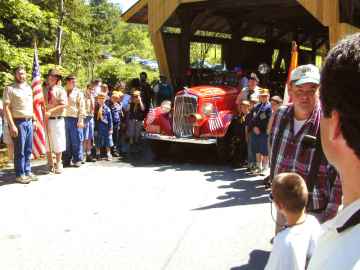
(32, 177)
(109, 157)
(77, 164)
(59, 169)
(90, 159)
(98, 157)
(22, 179)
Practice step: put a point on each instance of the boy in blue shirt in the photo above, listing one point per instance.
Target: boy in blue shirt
(103, 127)
(117, 114)
(261, 115)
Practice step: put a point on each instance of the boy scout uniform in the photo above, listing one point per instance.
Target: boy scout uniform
(55, 96)
(74, 111)
(19, 97)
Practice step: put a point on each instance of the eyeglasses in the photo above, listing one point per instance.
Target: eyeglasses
(271, 199)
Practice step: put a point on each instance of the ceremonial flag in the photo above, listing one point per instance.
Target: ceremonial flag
(39, 132)
(293, 65)
(215, 122)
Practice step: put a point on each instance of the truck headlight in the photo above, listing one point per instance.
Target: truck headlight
(165, 106)
(208, 108)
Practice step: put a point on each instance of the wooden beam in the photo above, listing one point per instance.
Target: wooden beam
(140, 4)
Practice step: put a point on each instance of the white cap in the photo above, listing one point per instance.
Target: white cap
(305, 74)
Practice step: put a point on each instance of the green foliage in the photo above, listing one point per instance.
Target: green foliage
(113, 70)
(91, 29)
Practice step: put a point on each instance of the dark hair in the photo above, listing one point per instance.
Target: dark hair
(290, 190)
(339, 88)
(143, 73)
(17, 68)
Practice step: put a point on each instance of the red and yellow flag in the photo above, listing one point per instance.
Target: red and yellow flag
(293, 64)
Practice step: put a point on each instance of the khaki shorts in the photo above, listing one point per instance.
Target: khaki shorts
(56, 135)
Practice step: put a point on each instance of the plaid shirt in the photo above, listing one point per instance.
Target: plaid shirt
(293, 156)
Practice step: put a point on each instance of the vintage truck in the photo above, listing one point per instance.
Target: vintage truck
(199, 115)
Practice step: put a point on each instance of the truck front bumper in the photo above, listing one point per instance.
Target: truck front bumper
(159, 137)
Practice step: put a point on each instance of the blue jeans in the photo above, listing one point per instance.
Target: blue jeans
(23, 147)
(74, 139)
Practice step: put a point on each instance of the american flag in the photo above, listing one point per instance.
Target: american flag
(215, 122)
(39, 134)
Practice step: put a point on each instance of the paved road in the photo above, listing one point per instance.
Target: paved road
(136, 214)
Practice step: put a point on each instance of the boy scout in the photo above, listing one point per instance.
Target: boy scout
(55, 102)
(74, 123)
(18, 105)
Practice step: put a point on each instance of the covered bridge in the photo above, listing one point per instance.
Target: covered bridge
(174, 24)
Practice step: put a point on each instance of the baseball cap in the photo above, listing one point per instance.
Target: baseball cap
(305, 74)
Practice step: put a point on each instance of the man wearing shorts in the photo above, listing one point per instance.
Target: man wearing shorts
(55, 102)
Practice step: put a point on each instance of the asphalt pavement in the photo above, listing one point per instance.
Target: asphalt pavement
(183, 212)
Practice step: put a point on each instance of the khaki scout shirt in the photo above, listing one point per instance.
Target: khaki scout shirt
(58, 97)
(76, 104)
(20, 99)
(88, 110)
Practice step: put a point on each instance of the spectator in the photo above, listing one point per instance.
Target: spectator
(237, 129)
(338, 247)
(55, 103)
(276, 102)
(294, 246)
(261, 114)
(252, 90)
(74, 123)
(103, 127)
(146, 91)
(290, 151)
(18, 105)
(249, 134)
(89, 123)
(163, 90)
(116, 113)
(135, 116)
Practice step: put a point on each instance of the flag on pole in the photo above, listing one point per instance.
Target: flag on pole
(293, 65)
(39, 133)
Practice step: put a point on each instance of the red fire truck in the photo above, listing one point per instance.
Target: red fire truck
(199, 115)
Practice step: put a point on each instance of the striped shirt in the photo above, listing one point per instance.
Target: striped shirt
(293, 156)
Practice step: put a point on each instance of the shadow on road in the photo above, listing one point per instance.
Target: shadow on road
(7, 176)
(257, 261)
(240, 187)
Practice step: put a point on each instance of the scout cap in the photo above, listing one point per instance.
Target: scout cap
(54, 72)
(264, 92)
(245, 102)
(305, 74)
(253, 76)
(70, 77)
(276, 99)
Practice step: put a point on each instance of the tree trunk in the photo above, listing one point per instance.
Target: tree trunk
(58, 52)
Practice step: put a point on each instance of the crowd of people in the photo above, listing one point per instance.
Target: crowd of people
(80, 126)
(310, 147)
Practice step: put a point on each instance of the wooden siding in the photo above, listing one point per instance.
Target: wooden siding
(328, 13)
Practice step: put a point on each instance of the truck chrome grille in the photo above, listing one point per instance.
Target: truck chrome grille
(184, 106)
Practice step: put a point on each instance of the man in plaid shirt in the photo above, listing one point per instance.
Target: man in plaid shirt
(289, 153)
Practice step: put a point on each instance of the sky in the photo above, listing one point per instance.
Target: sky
(124, 4)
